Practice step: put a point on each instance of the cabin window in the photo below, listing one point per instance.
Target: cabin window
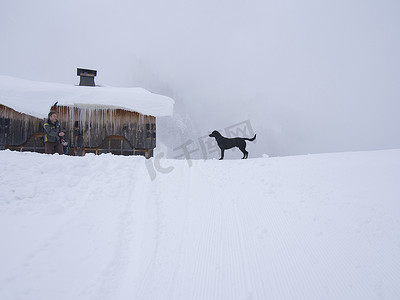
(4, 121)
(4, 126)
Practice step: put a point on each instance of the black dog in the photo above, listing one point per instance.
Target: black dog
(226, 143)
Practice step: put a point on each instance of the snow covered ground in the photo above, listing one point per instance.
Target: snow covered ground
(98, 227)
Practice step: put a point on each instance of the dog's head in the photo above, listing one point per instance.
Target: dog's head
(215, 134)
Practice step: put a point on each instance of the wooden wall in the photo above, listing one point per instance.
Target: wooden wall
(88, 130)
(97, 129)
(16, 128)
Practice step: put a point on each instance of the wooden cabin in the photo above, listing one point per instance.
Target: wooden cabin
(95, 119)
(91, 129)
(19, 131)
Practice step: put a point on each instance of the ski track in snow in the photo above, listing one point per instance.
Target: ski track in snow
(307, 227)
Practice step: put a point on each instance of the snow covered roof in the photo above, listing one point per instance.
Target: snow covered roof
(36, 98)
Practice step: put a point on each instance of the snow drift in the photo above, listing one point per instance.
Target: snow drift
(36, 98)
(98, 227)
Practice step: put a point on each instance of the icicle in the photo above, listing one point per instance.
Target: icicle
(89, 112)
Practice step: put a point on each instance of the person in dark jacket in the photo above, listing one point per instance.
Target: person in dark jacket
(53, 135)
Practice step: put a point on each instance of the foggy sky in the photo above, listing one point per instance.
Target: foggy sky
(310, 76)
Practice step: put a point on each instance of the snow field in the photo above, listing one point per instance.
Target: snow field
(97, 227)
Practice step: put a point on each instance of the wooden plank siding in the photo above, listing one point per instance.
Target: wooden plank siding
(88, 130)
(18, 130)
(106, 130)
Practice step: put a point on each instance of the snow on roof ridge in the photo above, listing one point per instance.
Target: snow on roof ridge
(36, 98)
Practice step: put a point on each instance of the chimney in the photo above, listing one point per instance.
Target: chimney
(87, 77)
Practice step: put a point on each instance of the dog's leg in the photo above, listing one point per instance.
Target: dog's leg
(222, 154)
(245, 153)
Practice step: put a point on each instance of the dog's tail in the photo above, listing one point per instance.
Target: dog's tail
(252, 139)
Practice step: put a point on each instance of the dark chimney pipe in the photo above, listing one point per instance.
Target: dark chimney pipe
(87, 77)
